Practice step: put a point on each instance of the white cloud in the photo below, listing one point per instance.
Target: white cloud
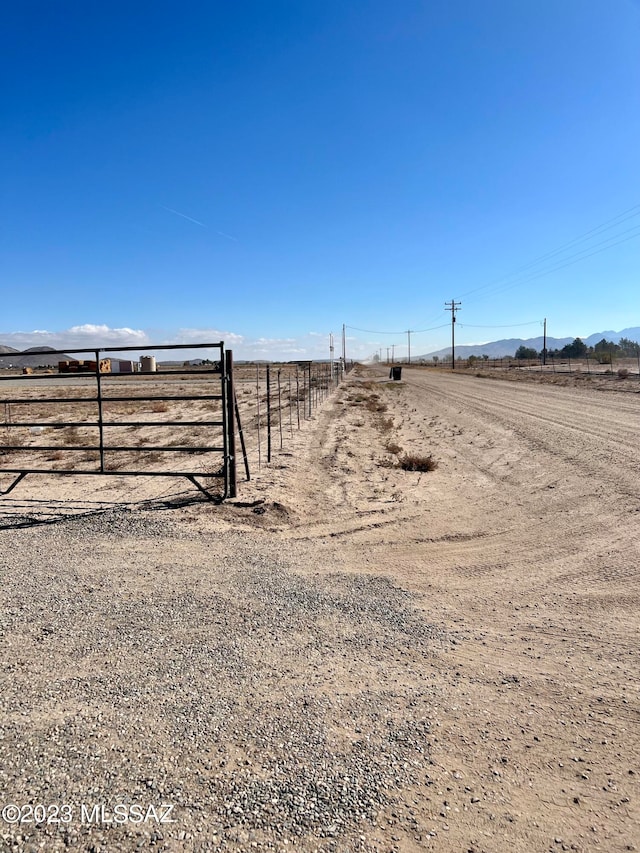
(88, 334)
(207, 336)
(103, 334)
(311, 345)
(274, 341)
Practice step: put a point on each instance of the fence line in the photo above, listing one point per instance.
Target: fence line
(237, 408)
(554, 364)
(267, 402)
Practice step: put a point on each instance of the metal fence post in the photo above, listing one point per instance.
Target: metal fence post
(100, 419)
(268, 414)
(280, 408)
(259, 416)
(231, 424)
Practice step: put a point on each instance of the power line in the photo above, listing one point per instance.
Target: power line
(374, 331)
(502, 326)
(598, 229)
(508, 281)
(432, 329)
(403, 332)
(579, 256)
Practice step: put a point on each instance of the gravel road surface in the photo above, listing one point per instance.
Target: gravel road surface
(351, 657)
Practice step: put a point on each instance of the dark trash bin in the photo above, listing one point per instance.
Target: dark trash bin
(395, 373)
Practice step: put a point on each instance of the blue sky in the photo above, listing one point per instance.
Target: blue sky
(264, 172)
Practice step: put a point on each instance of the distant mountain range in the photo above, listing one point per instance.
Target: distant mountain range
(508, 346)
(37, 356)
(10, 357)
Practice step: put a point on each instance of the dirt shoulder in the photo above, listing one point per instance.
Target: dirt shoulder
(353, 656)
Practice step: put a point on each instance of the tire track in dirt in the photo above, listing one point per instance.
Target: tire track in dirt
(551, 406)
(549, 424)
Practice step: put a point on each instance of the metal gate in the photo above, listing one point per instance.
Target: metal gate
(95, 388)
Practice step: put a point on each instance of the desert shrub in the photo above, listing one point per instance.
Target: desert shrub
(623, 373)
(159, 406)
(178, 441)
(375, 404)
(392, 447)
(417, 462)
(386, 424)
(70, 435)
(386, 463)
(12, 439)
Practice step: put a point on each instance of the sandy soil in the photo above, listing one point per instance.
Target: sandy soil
(520, 555)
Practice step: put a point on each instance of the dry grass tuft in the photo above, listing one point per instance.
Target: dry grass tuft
(72, 436)
(392, 447)
(375, 404)
(12, 438)
(178, 441)
(417, 462)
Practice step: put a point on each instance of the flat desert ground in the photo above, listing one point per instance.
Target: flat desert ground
(349, 656)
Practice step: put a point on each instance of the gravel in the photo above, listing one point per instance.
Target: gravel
(147, 663)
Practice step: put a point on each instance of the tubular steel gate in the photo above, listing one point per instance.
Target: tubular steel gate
(96, 376)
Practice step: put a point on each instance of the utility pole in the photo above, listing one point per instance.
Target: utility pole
(453, 307)
(409, 345)
(344, 348)
(393, 353)
(544, 345)
(387, 355)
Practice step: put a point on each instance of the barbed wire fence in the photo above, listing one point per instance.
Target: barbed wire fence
(275, 401)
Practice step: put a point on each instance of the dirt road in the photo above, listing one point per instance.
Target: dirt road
(524, 546)
(353, 656)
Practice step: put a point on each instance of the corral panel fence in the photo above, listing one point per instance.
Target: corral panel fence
(100, 400)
